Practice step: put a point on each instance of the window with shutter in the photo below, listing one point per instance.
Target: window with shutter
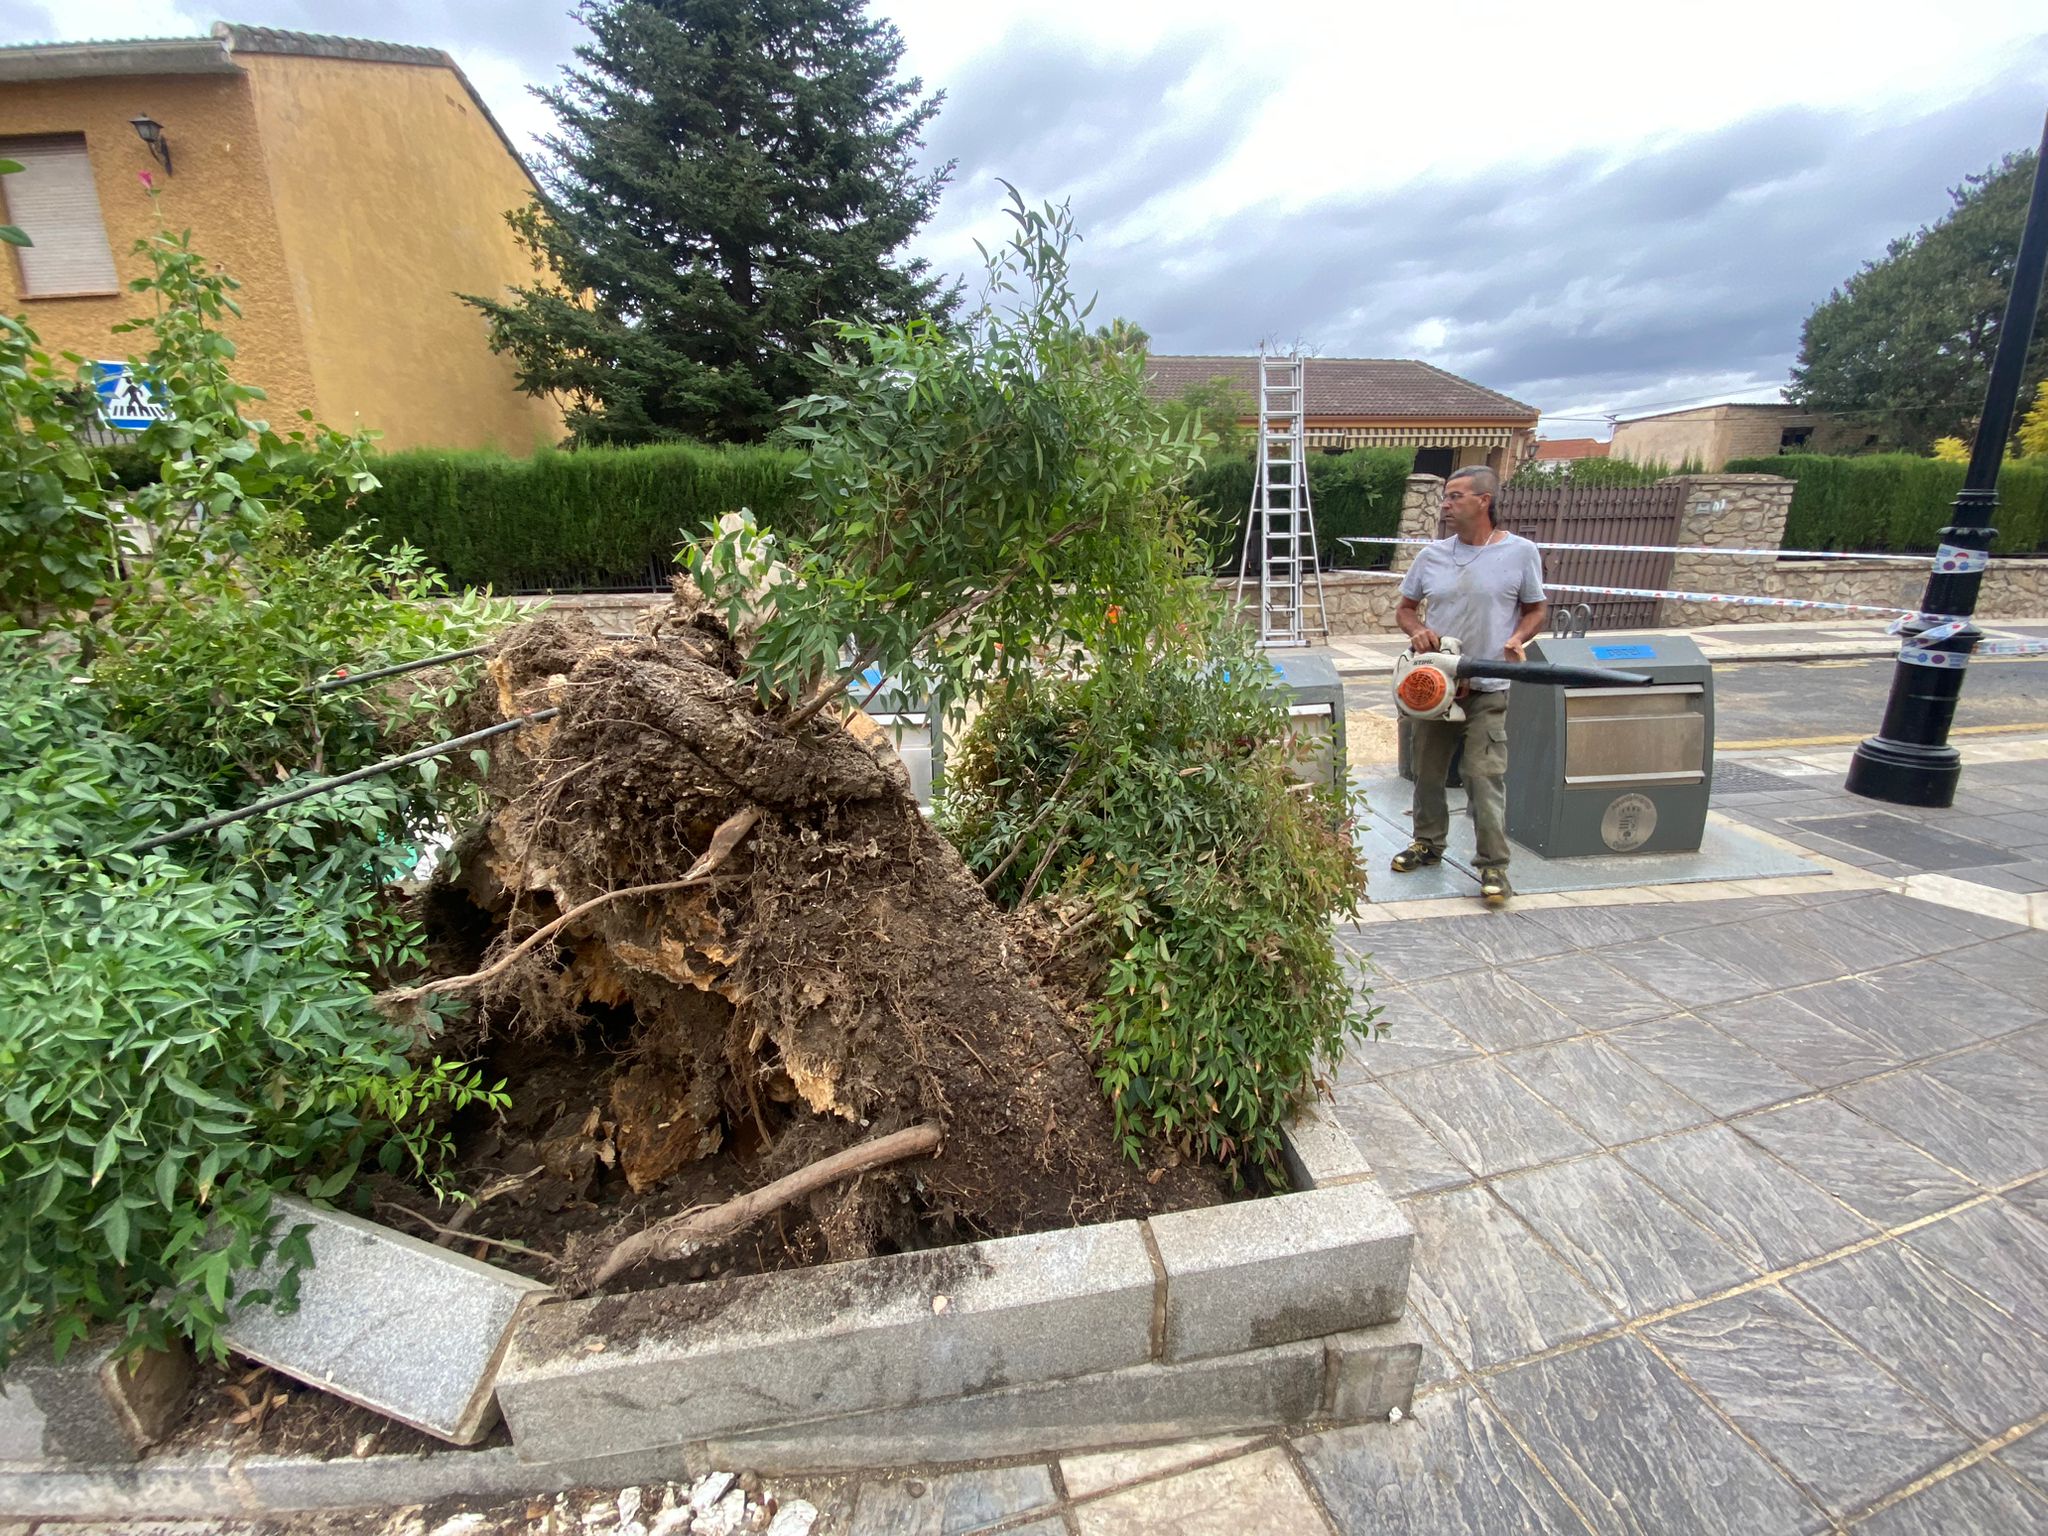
(54, 201)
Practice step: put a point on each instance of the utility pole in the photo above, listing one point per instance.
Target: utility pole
(1909, 760)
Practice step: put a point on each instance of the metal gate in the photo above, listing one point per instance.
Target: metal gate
(1598, 514)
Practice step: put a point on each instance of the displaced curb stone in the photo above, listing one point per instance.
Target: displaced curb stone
(1370, 1373)
(1288, 1267)
(91, 1406)
(689, 1362)
(402, 1327)
(1318, 1151)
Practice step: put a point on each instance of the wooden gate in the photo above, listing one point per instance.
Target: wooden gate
(1598, 514)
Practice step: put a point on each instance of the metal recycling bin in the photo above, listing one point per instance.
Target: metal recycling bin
(1315, 706)
(916, 727)
(1604, 771)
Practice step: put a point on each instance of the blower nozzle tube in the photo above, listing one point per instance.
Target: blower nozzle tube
(1550, 672)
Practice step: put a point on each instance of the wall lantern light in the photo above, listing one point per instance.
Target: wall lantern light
(151, 132)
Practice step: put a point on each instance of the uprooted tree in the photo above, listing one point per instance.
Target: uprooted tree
(709, 837)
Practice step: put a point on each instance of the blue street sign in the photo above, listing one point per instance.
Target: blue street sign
(126, 401)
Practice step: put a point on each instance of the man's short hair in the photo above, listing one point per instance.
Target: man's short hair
(1484, 481)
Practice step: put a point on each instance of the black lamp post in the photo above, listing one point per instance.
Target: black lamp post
(151, 132)
(1909, 760)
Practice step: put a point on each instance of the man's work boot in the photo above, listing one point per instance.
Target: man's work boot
(1416, 856)
(1494, 889)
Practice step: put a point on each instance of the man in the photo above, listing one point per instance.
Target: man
(1484, 587)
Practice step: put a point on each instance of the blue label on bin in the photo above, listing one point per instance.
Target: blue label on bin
(1624, 653)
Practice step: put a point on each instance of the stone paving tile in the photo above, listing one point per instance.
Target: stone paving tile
(1493, 1010)
(1769, 951)
(2027, 1458)
(2030, 1043)
(1415, 1036)
(1404, 1155)
(1800, 1041)
(1689, 980)
(1256, 1495)
(1931, 1332)
(1638, 1453)
(1951, 986)
(1888, 1008)
(1507, 938)
(1999, 1253)
(1948, 1125)
(1487, 1288)
(1409, 952)
(1921, 927)
(951, 1504)
(1596, 927)
(1980, 1500)
(1767, 1214)
(1452, 1470)
(1858, 1162)
(1706, 1066)
(2019, 962)
(1842, 1427)
(2009, 1085)
(1637, 1250)
(2031, 1198)
(1112, 1469)
(1851, 947)
(1602, 1091)
(1590, 992)
(1487, 1120)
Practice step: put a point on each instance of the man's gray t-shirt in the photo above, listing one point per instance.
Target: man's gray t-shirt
(1475, 592)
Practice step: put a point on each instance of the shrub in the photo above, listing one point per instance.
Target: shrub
(1897, 503)
(1551, 474)
(1155, 795)
(1355, 493)
(598, 517)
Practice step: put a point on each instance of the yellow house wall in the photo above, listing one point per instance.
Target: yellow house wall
(391, 189)
(220, 192)
(1671, 439)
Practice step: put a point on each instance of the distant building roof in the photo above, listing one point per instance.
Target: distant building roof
(1769, 407)
(1563, 449)
(1380, 387)
(214, 55)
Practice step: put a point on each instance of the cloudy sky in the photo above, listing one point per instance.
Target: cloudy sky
(1600, 209)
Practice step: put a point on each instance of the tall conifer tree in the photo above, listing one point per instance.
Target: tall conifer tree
(726, 175)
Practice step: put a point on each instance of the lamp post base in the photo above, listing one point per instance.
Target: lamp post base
(1904, 773)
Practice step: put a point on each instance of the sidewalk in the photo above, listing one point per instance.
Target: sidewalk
(1823, 640)
(1731, 1206)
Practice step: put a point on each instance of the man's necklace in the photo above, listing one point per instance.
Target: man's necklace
(1490, 540)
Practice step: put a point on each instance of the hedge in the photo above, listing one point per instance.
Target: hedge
(1352, 493)
(1894, 503)
(599, 517)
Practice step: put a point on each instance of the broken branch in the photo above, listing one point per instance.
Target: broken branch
(678, 1235)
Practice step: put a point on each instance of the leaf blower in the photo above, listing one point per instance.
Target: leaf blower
(1426, 686)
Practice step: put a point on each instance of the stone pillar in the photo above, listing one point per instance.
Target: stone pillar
(1738, 512)
(1422, 508)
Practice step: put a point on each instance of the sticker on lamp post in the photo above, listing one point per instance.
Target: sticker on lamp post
(1629, 821)
(127, 403)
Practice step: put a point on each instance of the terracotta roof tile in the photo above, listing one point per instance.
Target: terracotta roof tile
(1560, 449)
(1351, 386)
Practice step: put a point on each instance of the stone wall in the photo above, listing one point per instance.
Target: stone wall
(1731, 512)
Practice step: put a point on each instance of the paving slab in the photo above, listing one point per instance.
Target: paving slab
(2027, 1459)
(1491, 1009)
(1265, 1272)
(1949, 1125)
(400, 1326)
(1687, 979)
(1859, 1162)
(1452, 1470)
(1638, 1452)
(1843, 1428)
(1706, 1065)
(1256, 1495)
(1486, 1119)
(1405, 1155)
(1602, 1091)
(1999, 1253)
(1767, 1214)
(1899, 1010)
(1488, 1288)
(1638, 1251)
(1975, 1364)
(1983, 1500)
(1105, 1470)
(1415, 1036)
(950, 1503)
(1591, 993)
(1800, 1041)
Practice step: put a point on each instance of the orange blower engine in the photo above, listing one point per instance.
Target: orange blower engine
(1426, 683)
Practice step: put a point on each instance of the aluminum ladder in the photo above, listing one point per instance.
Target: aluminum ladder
(1279, 552)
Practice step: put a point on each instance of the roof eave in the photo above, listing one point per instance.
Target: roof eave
(146, 56)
